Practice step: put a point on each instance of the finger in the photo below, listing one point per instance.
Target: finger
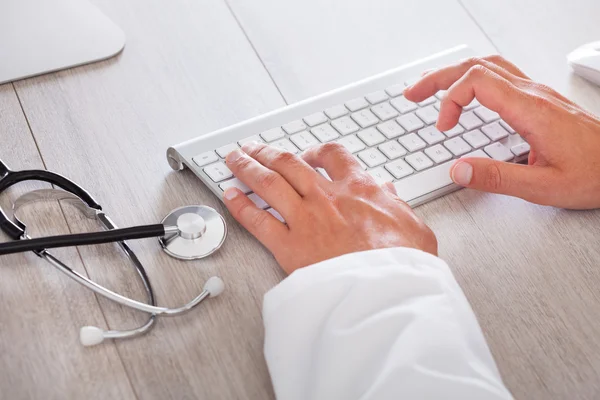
(295, 171)
(260, 223)
(500, 95)
(443, 78)
(389, 188)
(334, 159)
(267, 184)
(530, 183)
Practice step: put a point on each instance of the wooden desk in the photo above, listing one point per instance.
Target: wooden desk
(531, 273)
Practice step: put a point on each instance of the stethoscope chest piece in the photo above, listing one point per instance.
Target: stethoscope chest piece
(200, 231)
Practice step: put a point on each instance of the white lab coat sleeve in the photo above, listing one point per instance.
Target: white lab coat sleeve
(379, 324)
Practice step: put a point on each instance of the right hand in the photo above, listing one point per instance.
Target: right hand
(324, 219)
(564, 162)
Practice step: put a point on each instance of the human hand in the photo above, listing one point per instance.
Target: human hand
(324, 218)
(564, 163)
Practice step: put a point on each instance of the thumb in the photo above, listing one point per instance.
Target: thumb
(524, 181)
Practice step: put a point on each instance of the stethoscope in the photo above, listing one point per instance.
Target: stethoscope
(187, 233)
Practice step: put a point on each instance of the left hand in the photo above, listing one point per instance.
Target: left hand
(325, 219)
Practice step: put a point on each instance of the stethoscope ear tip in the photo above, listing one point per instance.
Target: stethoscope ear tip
(91, 336)
(215, 286)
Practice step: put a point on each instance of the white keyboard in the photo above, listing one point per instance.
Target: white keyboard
(393, 139)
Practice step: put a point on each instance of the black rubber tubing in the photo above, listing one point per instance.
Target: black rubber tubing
(82, 239)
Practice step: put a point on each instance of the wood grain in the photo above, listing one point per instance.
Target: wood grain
(530, 272)
(312, 46)
(187, 69)
(41, 310)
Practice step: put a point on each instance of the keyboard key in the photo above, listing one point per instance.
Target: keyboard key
(472, 105)
(228, 148)
(395, 90)
(357, 104)
(412, 142)
(315, 119)
(381, 175)
(372, 157)
(438, 153)
(218, 172)
(494, 131)
(235, 182)
(498, 151)
(418, 161)
(205, 158)
(506, 126)
(384, 111)
(325, 133)
(428, 114)
(476, 139)
(486, 114)
(258, 201)
(392, 149)
(253, 138)
(457, 130)
(402, 105)
(276, 214)
(457, 146)
(285, 145)
(399, 168)
(304, 140)
(437, 105)
(391, 129)
(427, 101)
(410, 122)
(520, 149)
(272, 134)
(415, 186)
(345, 125)
(365, 118)
(336, 111)
(476, 153)
(431, 135)
(377, 97)
(352, 143)
(294, 126)
(371, 137)
(469, 121)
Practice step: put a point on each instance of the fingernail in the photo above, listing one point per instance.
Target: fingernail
(250, 145)
(234, 156)
(407, 88)
(231, 193)
(462, 173)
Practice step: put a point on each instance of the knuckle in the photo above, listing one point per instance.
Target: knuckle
(243, 162)
(495, 59)
(362, 183)
(257, 151)
(267, 180)
(241, 209)
(493, 177)
(283, 158)
(259, 219)
(472, 61)
(477, 71)
(329, 149)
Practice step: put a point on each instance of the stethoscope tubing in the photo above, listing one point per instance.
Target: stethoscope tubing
(82, 239)
(117, 298)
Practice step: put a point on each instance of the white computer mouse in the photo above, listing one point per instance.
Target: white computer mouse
(585, 61)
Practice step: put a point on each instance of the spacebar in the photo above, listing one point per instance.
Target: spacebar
(424, 182)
